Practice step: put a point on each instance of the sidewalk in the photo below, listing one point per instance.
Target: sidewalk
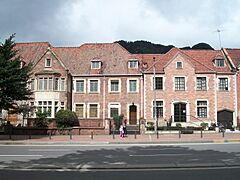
(130, 139)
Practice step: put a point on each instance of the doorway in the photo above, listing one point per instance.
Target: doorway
(180, 112)
(133, 114)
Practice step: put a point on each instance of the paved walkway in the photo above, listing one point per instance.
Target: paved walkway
(130, 139)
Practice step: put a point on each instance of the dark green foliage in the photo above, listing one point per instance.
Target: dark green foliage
(144, 47)
(65, 118)
(199, 46)
(42, 120)
(13, 77)
(118, 121)
(202, 46)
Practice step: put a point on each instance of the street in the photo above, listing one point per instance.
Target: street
(129, 161)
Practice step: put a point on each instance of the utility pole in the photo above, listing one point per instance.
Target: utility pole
(154, 93)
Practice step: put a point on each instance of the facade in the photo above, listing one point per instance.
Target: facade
(99, 81)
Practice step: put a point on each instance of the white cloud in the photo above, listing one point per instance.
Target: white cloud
(73, 22)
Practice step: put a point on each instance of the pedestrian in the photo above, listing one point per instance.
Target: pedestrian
(121, 131)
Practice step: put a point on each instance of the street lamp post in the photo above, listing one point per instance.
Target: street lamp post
(154, 92)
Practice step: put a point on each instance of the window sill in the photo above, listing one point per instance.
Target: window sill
(133, 92)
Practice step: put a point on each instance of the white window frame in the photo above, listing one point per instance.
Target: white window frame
(152, 106)
(46, 62)
(110, 84)
(137, 85)
(89, 87)
(130, 61)
(206, 106)
(75, 85)
(221, 77)
(96, 61)
(88, 110)
(152, 82)
(178, 67)
(206, 83)
(114, 105)
(217, 64)
(46, 106)
(84, 109)
(174, 87)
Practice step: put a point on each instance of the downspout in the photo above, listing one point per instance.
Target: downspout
(236, 99)
(142, 98)
(104, 102)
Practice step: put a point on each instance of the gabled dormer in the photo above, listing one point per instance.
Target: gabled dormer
(96, 64)
(132, 63)
(219, 62)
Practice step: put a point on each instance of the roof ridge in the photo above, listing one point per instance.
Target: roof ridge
(33, 42)
(197, 60)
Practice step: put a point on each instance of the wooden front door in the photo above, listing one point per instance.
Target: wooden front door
(133, 114)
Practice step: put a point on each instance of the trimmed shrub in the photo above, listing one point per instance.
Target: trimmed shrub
(65, 118)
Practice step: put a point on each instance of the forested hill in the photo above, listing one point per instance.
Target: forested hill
(145, 47)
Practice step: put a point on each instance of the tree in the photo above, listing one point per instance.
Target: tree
(65, 118)
(13, 77)
(42, 120)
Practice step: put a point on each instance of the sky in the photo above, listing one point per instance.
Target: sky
(169, 22)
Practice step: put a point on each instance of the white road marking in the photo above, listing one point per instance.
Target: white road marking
(154, 155)
(48, 150)
(18, 155)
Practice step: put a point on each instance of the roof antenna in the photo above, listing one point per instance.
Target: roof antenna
(219, 37)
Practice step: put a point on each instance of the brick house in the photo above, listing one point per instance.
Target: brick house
(49, 81)
(106, 81)
(192, 86)
(233, 56)
(98, 81)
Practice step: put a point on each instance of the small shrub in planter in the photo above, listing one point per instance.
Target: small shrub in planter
(65, 118)
(41, 120)
(204, 125)
(179, 125)
(150, 126)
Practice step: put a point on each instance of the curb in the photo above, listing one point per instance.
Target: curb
(118, 143)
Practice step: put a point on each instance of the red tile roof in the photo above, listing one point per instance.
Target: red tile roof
(31, 52)
(202, 60)
(114, 58)
(234, 54)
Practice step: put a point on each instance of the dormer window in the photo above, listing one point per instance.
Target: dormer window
(179, 65)
(219, 62)
(133, 63)
(95, 64)
(48, 62)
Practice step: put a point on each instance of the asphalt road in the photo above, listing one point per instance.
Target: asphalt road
(98, 161)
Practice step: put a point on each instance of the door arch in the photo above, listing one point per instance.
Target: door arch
(133, 114)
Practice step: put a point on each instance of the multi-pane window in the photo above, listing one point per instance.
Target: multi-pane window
(80, 86)
(202, 109)
(93, 110)
(114, 110)
(45, 84)
(132, 85)
(48, 62)
(32, 84)
(45, 106)
(159, 109)
(95, 64)
(132, 64)
(179, 83)
(158, 83)
(114, 85)
(79, 109)
(219, 62)
(223, 84)
(62, 105)
(201, 83)
(179, 65)
(93, 86)
(62, 84)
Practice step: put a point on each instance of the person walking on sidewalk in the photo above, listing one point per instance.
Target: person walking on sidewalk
(121, 131)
